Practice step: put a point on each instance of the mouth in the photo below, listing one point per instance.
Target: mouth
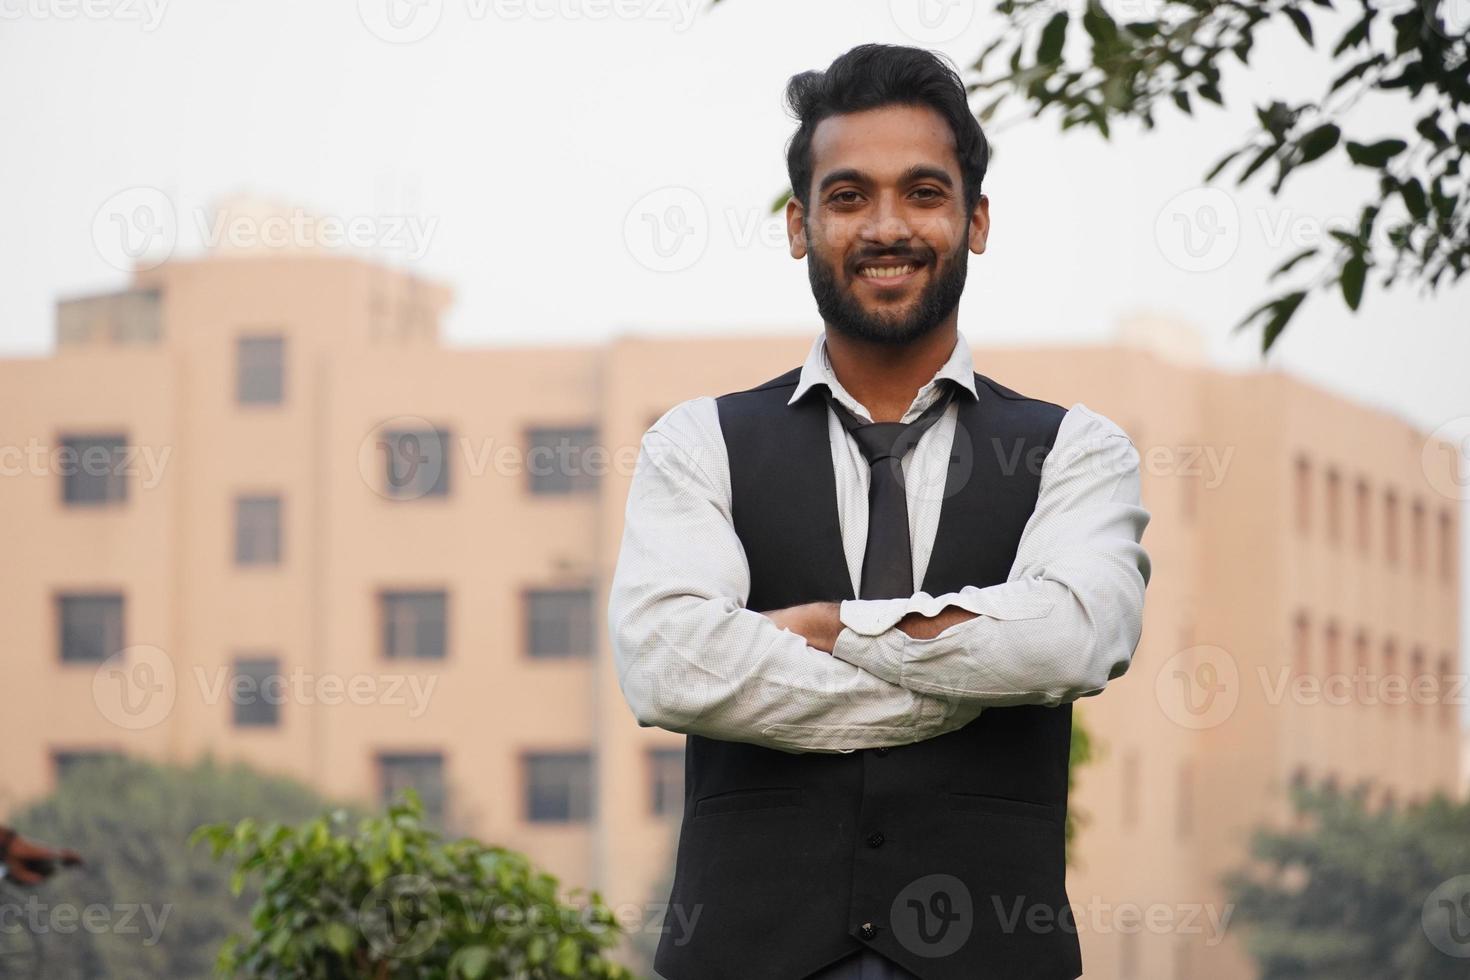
(889, 273)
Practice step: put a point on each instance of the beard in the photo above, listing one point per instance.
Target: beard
(844, 311)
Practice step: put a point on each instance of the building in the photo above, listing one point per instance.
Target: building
(332, 547)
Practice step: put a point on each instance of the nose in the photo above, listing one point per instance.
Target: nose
(888, 224)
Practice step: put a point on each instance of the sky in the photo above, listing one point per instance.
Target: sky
(580, 169)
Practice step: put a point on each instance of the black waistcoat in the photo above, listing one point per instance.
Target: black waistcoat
(945, 855)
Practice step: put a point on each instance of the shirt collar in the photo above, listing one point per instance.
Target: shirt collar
(817, 369)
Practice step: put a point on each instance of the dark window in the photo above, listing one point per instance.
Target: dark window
(666, 781)
(258, 530)
(1303, 493)
(69, 764)
(564, 460)
(558, 786)
(260, 370)
(90, 626)
(257, 692)
(414, 625)
(559, 622)
(416, 462)
(92, 469)
(421, 771)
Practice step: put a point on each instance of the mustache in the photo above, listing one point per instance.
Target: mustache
(909, 255)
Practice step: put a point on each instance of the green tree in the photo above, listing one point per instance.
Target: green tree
(1354, 894)
(1415, 227)
(142, 905)
(390, 898)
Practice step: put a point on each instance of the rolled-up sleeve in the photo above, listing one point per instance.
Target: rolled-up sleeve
(691, 658)
(1070, 614)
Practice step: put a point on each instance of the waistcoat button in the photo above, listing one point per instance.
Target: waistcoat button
(875, 839)
(868, 930)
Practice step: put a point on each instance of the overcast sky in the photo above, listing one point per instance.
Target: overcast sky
(522, 150)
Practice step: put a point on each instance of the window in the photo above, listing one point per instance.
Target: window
(1391, 688)
(1334, 506)
(421, 771)
(93, 470)
(1417, 536)
(564, 460)
(1446, 687)
(666, 781)
(1360, 665)
(257, 692)
(558, 786)
(1301, 659)
(1391, 526)
(1418, 688)
(1363, 507)
(260, 370)
(414, 624)
(257, 530)
(1446, 546)
(559, 622)
(1330, 657)
(90, 626)
(1303, 493)
(69, 764)
(417, 462)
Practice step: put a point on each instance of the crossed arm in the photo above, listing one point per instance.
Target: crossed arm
(835, 677)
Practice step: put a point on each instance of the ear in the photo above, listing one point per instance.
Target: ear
(980, 225)
(795, 232)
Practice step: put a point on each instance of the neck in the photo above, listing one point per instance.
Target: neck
(885, 378)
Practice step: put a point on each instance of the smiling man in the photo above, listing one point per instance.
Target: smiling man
(869, 589)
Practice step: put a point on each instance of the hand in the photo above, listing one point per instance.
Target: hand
(921, 627)
(816, 622)
(30, 863)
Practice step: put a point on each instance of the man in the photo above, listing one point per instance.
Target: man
(29, 863)
(869, 589)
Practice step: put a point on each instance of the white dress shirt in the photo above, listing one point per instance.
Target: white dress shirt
(691, 658)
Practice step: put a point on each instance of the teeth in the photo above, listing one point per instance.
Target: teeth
(878, 272)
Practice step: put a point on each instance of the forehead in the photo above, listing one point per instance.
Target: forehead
(883, 142)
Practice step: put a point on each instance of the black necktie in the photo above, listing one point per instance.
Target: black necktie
(888, 562)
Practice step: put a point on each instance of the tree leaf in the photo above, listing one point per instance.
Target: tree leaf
(1300, 21)
(1354, 272)
(1375, 154)
(1319, 141)
(1053, 36)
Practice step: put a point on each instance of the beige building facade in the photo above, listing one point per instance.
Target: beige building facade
(253, 506)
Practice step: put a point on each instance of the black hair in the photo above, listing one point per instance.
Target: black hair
(873, 75)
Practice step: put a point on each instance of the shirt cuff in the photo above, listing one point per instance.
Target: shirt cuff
(880, 655)
(872, 617)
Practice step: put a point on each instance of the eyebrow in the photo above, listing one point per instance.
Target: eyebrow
(919, 171)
